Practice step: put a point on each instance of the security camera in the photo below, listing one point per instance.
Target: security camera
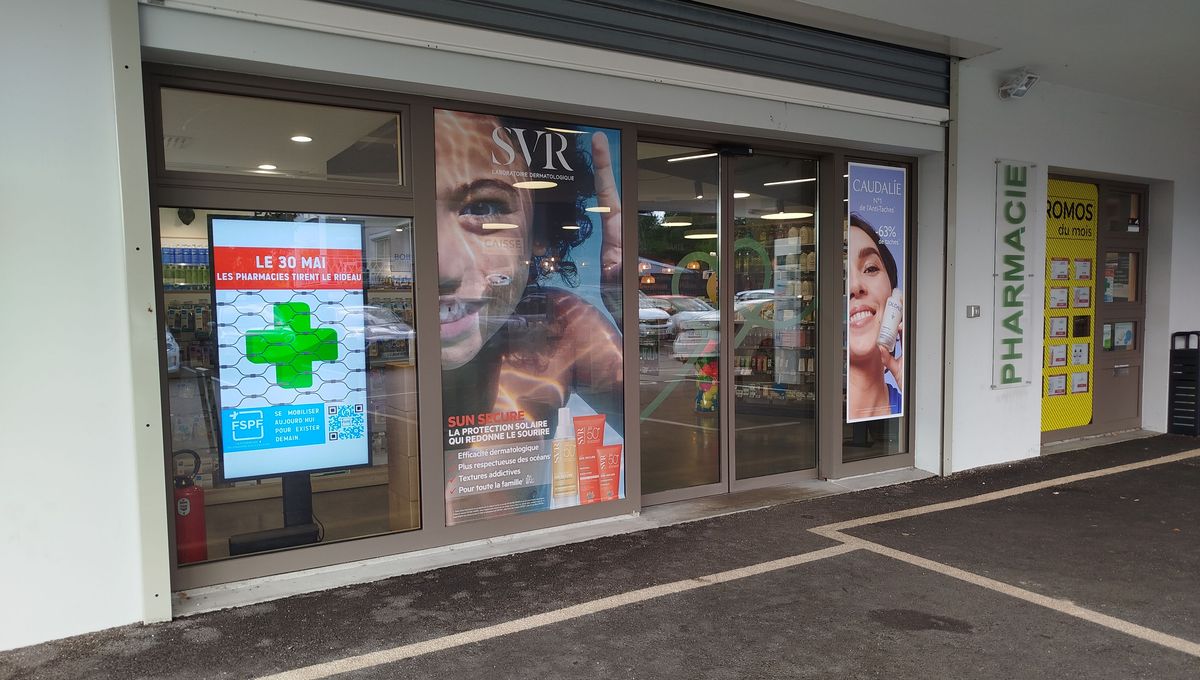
(1018, 84)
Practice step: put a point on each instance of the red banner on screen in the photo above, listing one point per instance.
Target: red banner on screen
(286, 268)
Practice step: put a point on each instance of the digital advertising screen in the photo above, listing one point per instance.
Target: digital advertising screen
(290, 344)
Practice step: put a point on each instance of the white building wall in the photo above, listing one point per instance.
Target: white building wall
(71, 531)
(1070, 131)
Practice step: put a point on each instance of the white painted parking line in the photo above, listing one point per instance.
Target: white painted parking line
(1053, 603)
(385, 656)
(833, 531)
(1003, 493)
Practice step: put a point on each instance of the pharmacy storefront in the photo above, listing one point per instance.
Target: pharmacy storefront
(401, 308)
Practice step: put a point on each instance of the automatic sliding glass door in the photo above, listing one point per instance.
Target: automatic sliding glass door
(678, 319)
(703, 432)
(774, 359)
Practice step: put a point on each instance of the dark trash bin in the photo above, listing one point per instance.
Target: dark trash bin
(1183, 399)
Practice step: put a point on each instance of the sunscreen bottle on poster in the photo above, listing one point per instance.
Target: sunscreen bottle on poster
(892, 313)
(564, 464)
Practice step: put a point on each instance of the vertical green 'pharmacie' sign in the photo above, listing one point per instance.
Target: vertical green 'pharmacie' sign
(1011, 310)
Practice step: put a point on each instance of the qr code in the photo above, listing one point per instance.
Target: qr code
(345, 421)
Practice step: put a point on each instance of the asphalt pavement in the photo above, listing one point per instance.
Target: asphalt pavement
(1095, 578)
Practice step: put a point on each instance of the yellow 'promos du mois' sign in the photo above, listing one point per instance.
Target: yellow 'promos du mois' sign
(1070, 304)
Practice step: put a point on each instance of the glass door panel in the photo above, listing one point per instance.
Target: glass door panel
(678, 318)
(1120, 282)
(775, 291)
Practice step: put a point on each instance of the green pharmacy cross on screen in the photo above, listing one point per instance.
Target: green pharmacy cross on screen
(292, 345)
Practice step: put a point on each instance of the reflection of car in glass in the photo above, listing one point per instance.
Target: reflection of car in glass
(698, 336)
(681, 308)
(757, 294)
(652, 320)
(387, 337)
(759, 311)
(383, 324)
(172, 354)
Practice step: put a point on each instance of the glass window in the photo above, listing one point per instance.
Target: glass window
(1120, 282)
(678, 322)
(291, 378)
(234, 135)
(1119, 336)
(1120, 212)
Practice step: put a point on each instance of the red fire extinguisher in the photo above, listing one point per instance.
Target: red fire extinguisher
(191, 535)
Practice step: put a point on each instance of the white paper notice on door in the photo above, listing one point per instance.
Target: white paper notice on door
(1058, 326)
(1060, 298)
(1079, 383)
(1057, 355)
(1083, 270)
(1083, 296)
(1060, 269)
(1079, 354)
(1056, 385)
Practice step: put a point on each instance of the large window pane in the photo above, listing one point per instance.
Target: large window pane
(678, 321)
(347, 341)
(775, 300)
(233, 135)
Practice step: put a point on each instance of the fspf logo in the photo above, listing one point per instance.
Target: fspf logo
(246, 426)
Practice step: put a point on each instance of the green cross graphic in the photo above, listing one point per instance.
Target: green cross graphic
(292, 345)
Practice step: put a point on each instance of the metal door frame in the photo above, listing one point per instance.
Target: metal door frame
(830, 287)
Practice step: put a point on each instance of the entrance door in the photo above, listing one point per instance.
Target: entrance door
(1121, 308)
(1095, 308)
(727, 376)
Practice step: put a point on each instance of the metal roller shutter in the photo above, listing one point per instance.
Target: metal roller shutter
(706, 36)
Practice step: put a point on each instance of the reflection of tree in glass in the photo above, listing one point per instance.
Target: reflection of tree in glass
(665, 244)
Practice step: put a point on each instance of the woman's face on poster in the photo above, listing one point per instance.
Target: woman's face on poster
(870, 287)
(484, 226)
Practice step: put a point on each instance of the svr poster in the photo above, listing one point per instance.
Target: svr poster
(529, 261)
(289, 324)
(875, 317)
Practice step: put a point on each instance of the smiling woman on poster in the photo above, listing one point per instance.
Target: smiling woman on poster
(875, 326)
(514, 340)
(529, 294)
